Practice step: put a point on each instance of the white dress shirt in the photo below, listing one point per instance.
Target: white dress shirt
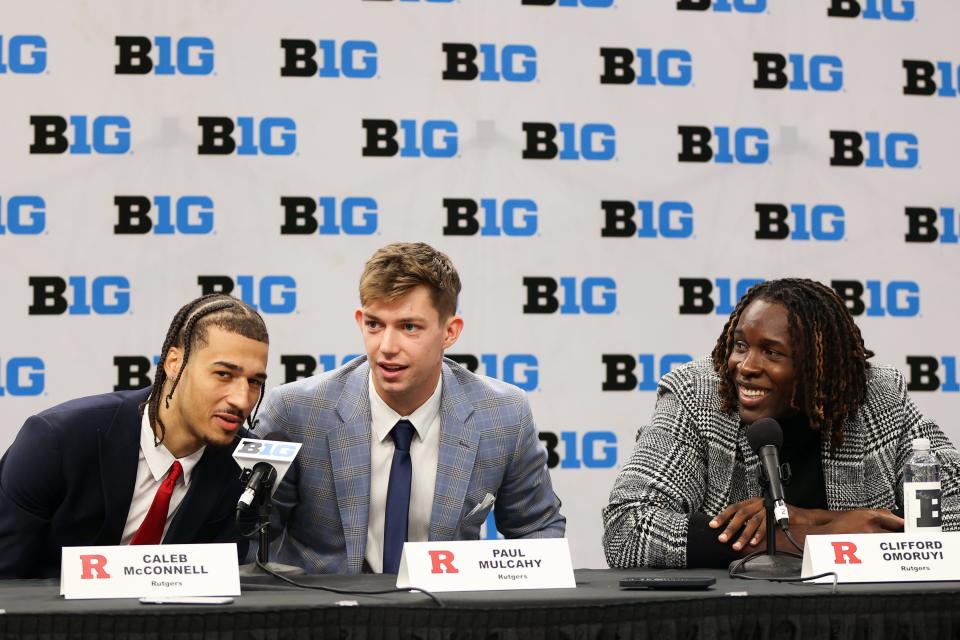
(424, 455)
(152, 468)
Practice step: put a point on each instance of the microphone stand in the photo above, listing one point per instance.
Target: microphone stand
(264, 502)
(770, 564)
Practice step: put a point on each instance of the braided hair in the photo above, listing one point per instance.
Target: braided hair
(188, 331)
(830, 359)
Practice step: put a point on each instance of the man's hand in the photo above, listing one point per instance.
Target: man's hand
(748, 518)
(745, 523)
(862, 521)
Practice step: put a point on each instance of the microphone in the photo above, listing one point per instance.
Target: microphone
(264, 463)
(766, 437)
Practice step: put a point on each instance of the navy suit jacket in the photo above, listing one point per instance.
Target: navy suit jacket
(67, 481)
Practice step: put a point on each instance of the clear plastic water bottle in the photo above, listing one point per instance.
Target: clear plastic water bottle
(921, 489)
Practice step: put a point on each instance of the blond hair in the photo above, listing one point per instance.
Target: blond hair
(398, 268)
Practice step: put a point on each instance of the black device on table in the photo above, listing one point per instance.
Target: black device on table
(667, 582)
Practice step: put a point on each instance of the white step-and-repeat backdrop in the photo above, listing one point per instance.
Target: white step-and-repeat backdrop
(608, 175)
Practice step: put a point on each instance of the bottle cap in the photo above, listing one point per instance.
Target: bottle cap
(921, 444)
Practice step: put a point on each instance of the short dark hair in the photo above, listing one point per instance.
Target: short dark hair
(189, 330)
(830, 359)
(397, 268)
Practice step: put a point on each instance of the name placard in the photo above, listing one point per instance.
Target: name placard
(883, 557)
(157, 570)
(486, 565)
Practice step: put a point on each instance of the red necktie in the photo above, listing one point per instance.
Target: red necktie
(151, 531)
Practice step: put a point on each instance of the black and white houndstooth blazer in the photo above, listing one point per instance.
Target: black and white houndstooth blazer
(695, 458)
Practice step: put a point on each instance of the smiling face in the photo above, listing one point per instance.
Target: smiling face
(220, 386)
(405, 339)
(761, 362)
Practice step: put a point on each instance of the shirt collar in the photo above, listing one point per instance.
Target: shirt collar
(158, 457)
(383, 418)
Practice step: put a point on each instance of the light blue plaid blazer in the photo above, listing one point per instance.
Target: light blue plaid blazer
(488, 444)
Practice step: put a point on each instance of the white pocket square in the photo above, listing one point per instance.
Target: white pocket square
(484, 504)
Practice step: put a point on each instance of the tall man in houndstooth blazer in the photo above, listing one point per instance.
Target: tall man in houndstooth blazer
(474, 446)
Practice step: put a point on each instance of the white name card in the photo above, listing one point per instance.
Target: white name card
(136, 571)
(487, 565)
(883, 557)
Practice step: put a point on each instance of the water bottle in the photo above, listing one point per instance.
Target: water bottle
(921, 490)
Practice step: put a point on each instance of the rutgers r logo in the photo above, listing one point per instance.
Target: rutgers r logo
(442, 562)
(843, 553)
(93, 564)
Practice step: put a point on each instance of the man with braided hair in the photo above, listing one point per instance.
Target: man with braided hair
(792, 352)
(140, 467)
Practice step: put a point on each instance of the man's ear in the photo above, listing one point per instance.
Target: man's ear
(451, 332)
(173, 362)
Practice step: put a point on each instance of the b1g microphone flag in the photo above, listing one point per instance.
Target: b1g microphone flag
(261, 458)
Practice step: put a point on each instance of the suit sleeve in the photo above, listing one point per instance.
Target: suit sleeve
(646, 522)
(526, 505)
(915, 425)
(31, 490)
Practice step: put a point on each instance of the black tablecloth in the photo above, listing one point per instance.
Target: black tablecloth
(597, 608)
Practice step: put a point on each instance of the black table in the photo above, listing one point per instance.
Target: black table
(597, 608)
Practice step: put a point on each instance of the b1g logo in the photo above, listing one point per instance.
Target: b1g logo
(723, 6)
(922, 225)
(519, 369)
(268, 449)
(190, 56)
(271, 136)
(925, 374)
(894, 150)
(23, 54)
(186, 215)
(297, 366)
(594, 141)
(351, 216)
(328, 59)
(99, 295)
(513, 217)
(80, 135)
(799, 222)
(669, 219)
(895, 10)
(899, 298)
(431, 139)
(23, 215)
(698, 294)
(620, 370)
(750, 145)
(587, 4)
(923, 76)
(796, 72)
(574, 450)
(511, 63)
(24, 376)
(133, 372)
(592, 296)
(272, 294)
(668, 67)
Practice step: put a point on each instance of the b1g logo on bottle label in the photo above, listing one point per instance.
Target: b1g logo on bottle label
(921, 506)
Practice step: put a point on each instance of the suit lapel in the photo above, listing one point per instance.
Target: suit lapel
(119, 449)
(350, 463)
(204, 495)
(459, 442)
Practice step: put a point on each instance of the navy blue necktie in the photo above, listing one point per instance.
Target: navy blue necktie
(398, 497)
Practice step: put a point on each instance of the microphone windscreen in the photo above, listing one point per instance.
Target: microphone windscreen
(277, 436)
(763, 432)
